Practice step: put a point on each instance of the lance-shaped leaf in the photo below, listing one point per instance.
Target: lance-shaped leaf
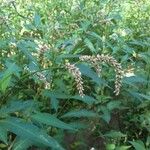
(21, 144)
(86, 99)
(80, 113)
(115, 134)
(138, 145)
(51, 120)
(28, 130)
(3, 134)
(87, 71)
(15, 106)
(90, 45)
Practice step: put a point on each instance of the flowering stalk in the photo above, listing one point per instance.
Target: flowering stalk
(77, 75)
(93, 61)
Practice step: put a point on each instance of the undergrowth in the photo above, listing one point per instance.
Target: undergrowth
(75, 74)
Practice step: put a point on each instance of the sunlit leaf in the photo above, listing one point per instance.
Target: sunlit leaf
(138, 145)
(4, 82)
(123, 147)
(89, 45)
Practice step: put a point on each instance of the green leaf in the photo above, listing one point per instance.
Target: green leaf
(21, 144)
(51, 120)
(3, 146)
(123, 147)
(29, 131)
(54, 103)
(58, 95)
(90, 45)
(100, 39)
(114, 134)
(95, 35)
(85, 25)
(139, 96)
(3, 44)
(37, 20)
(113, 105)
(15, 106)
(13, 68)
(3, 134)
(138, 145)
(4, 82)
(137, 42)
(26, 47)
(110, 147)
(86, 99)
(148, 141)
(67, 56)
(106, 114)
(145, 56)
(80, 113)
(78, 125)
(87, 71)
(55, 94)
(134, 80)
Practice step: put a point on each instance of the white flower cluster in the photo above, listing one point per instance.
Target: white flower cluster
(77, 75)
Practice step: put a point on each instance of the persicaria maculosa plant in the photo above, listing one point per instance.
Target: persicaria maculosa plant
(96, 61)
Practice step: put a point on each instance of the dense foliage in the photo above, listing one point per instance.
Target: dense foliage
(62, 63)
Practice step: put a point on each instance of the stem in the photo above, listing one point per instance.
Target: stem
(17, 11)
